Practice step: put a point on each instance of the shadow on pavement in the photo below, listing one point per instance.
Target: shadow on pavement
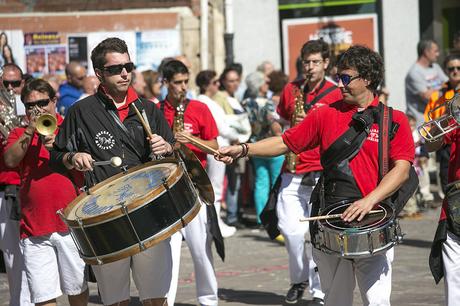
(250, 297)
(417, 243)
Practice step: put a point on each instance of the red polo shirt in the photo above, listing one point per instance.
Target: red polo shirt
(7, 176)
(452, 138)
(324, 125)
(198, 121)
(309, 160)
(42, 192)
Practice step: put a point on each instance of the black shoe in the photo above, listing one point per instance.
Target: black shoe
(296, 292)
(316, 302)
(236, 224)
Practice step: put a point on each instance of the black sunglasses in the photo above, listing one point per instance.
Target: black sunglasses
(345, 78)
(15, 83)
(450, 69)
(117, 69)
(39, 103)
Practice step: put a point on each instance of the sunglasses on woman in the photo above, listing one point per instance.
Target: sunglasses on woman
(117, 69)
(39, 103)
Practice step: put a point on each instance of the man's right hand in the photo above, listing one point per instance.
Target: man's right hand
(229, 154)
(82, 162)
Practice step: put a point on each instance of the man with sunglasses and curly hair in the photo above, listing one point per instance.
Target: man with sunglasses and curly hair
(296, 186)
(100, 127)
(355, 179)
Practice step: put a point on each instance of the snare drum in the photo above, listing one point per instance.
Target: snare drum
(131, 211)
(375, 233)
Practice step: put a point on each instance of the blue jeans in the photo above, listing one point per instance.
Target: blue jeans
(232, 196)
(266, 171)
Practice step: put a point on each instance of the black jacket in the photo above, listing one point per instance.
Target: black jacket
(89, 127)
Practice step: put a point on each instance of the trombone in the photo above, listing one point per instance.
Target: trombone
(449, 121)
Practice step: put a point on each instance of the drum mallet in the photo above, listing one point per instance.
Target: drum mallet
(114, 162)
(335, 216)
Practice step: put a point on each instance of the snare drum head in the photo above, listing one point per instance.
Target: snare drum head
(369, 221)
(108, 195)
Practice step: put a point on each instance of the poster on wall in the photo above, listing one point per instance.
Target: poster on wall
(78, 49)
(153, 46)
(12, 47)
(339, 31)
(44, 53)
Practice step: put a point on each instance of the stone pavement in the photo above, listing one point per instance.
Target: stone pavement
(256, 273)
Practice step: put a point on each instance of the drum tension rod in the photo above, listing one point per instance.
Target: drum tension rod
(124, 208)
(171, 198)
(80, 224)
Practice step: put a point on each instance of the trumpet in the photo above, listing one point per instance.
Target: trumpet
(449, 121)
(46, 124)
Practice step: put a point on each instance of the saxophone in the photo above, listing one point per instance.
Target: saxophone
(8, 115)
(291, 157)
(178, 123)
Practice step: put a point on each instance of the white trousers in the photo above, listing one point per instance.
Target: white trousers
(13, 257)
(151, 272)
(339, 277)
(293, 204)
(451, 260)
(199, 241)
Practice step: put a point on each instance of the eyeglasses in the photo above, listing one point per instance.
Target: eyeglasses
(15, 83)
(117, 69)
(39, 103)
(450, 69)
(345, 78)
(314, 62)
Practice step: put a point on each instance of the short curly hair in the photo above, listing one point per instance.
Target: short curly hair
(367, 62)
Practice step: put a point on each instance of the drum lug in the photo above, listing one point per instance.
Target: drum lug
(399, 235)
(370, 242)
(124, 208)
(85, 189)
(80, 225)
(342, 244)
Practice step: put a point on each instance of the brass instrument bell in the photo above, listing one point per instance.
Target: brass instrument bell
(46, 124)
(449, 121)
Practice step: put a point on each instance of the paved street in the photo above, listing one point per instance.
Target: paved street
(256, 272)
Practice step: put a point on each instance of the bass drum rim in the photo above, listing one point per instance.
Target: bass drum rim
(118, 212)
(148, 243)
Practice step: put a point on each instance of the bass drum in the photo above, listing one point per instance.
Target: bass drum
(131, 211)
(197, 173)
(376, 233)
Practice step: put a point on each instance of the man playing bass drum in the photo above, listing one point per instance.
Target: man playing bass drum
(100, 127)
(298, 179)
(360, 71)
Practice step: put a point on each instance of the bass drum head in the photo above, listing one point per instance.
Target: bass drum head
(106, 196)
(369, 221)
(197, 174)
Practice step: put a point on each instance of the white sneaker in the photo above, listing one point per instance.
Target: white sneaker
(227, 231)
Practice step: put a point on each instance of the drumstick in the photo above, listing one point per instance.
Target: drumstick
(143, 122)
(335, 216)
(114, 162)
(205, 148)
